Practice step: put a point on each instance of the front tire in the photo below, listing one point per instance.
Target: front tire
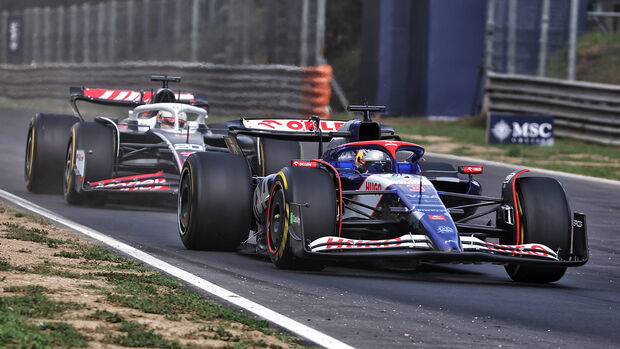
(312, 187)
(214, 210)
(545, 218)
(45, 152)
(90, 156)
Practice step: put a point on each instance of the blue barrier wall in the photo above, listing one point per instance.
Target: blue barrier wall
(455, 55)
(428, 53)
(429, 56)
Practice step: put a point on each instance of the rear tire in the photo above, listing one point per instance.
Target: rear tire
(276, 154)
(545, 218)
(97, 143)
(45, 152)
(214, 210)
(310, 186)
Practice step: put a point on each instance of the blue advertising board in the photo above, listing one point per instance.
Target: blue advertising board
(520, 129)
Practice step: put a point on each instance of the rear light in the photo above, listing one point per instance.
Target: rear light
(470, 169)
(302, 163)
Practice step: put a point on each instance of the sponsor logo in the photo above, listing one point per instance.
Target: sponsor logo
(509, 177)
(471, 169)
(292, 125)
(577, 224)
(444, 229)
(188, 146)
(294, 219)
(501, 130)
(415, 187)
(302, 163)
(347, 243)
(146, 184)
(373, 186)
(436, 217)
(80, 159)
(521, 129)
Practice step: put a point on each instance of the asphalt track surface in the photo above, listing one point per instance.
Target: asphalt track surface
(369, 306)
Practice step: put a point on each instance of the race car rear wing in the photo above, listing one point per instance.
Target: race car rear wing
(131, 98)
(309, 130)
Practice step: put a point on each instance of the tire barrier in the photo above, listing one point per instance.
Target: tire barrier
(582, 110)
(316, 90)
(243, 90)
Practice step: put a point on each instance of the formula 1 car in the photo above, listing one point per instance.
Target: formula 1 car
(143, 153)
(368, 196)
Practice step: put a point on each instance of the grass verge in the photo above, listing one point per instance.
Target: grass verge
(57, 291)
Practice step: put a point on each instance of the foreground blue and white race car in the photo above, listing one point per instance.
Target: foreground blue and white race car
(370, 196)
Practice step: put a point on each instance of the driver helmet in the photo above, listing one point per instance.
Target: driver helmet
(372, 160)
(166, 119)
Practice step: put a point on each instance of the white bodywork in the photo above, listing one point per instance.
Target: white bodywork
(174, 108)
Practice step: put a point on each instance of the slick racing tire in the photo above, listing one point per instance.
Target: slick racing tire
(90, 150)
(214, 210)
(45, 152)
(275, 154)
(545, 218)
(312, 187)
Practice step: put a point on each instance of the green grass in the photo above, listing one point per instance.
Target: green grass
(113, 318)
(5, 266)
(50, 270)
(598, 59)
(154, 293)
(35, 304)
(96, 253)
(19, 232)
(136, 335)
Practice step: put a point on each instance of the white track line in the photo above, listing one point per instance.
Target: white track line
(512, 166)
(265, 313)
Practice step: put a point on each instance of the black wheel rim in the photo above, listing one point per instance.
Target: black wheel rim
(28, 162)
(67, 175)
(183, 207)
(277, 217)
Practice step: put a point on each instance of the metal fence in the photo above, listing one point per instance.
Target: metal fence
(242, 90)
(582, 110)
(250, 57)
(215, 31)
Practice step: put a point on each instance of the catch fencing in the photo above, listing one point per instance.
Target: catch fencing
(581, 110)
(241, 90)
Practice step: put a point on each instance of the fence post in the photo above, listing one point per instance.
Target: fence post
(101, 37)
(246, 31)
(112, 37)
(544, 34)
(4, 47)
(145, 17)
(60, 30)
(320, 32)
(47, 34)
(27, 38)
(131, 27)
(303, 47)
(72, 32)
(85, 33)
(490, 29)
(194, 33)
(512, 35)
(36, 33)
(572, 39)
(176, 35)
